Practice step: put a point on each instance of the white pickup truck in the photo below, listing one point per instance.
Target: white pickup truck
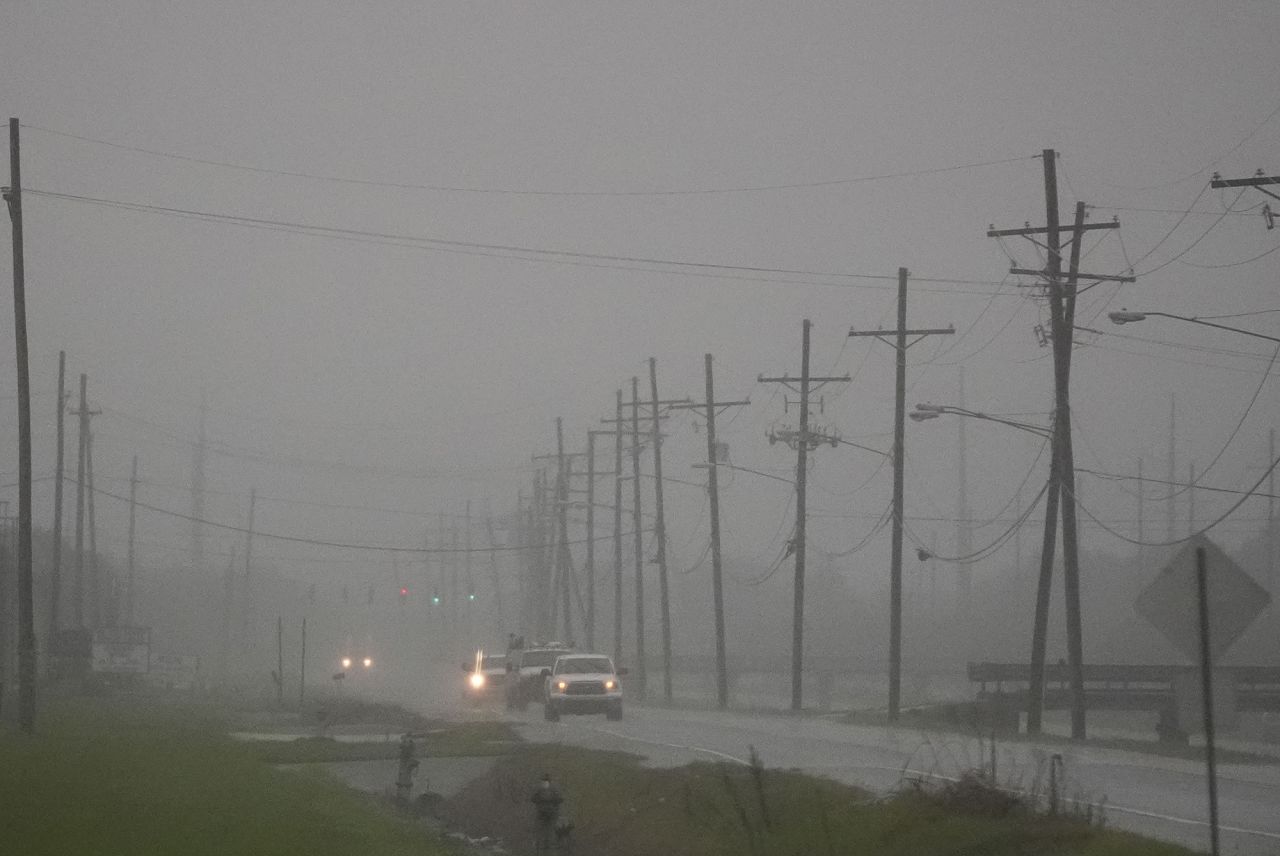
(583, 683)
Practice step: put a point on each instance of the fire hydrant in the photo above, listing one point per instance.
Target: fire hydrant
(407, 767)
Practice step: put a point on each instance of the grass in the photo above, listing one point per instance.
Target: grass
(105, 778)
(620, 808)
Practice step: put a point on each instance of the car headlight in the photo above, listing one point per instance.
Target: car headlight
(561, 685)
(346, 662)
(477, 680)
(368, 662)
(610, 685)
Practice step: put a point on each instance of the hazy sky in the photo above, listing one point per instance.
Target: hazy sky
(639, 131)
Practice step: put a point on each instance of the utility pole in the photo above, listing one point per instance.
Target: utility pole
(562, 535)
(133, 511)
(1271, 519)
(78, 582)
(55, 576)
(899, 460)
(26, 600)
(617, 530)
(710, 408)
(590, 567)
(1171, 507)
(1061, 496)
(641, 670)
(95, 583)
(964, 531)
(801, 440)
(660, 534)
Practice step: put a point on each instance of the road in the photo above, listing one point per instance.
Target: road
(1160, 797)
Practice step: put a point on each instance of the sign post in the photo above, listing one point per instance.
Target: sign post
(1206, 676)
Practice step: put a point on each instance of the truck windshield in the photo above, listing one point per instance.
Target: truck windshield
(585, 666)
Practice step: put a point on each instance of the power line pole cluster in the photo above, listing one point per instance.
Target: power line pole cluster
(1061, 492)
(900, 345)
(802, 440)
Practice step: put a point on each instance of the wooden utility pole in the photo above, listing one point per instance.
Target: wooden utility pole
(1061, 494)
(1171, 507)
(26, 599)
(55, 577)
(660, 533)
(802, 440)
(1191, 499)
(710, 408)
(95, 581)
(1142, 503)
(617, 530)
(1271, 520)
(964, 528)
(562, 530)
(133, 511)
(197, 488)
(589, 567)
(78, 586)
(642, 676)
(900, 346)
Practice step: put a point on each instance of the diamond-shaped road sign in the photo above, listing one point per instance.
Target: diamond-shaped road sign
(1171, 604)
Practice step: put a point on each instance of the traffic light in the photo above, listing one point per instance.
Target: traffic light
(404, 592)
(471, 595)
(435, 598)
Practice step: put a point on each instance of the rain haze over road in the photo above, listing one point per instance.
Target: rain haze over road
(355, 260)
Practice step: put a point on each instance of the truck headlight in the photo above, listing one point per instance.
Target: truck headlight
(561, 685)
(610, 685)
(477, 680)
(346, 662)
(368, 662)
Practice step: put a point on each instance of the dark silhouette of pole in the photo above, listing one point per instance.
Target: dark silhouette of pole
(798, 541)
(617, 531)
(717, 585)
(302, 666)
(26, 601)
(83, 413)
(899, 459)
(642, 676)
(660, 533)
(1206, 678)
(55, 576)
(95, 580)
(590, 567)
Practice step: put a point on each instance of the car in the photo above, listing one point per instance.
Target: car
(583, 683)
(527, 669)
(358, 661)
(486, 677)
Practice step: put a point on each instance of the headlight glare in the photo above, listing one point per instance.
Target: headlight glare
(368, 662)
(346, 662)
(562, 685)
(610, 684)
(477, 680)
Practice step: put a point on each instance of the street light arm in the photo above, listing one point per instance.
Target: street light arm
(730, 466)
(930, 411)
(1124, 316)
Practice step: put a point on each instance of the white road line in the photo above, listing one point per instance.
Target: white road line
(714, 752)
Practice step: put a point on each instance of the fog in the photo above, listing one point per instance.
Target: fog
(377, 249)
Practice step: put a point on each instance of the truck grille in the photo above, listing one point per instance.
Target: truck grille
(585, 688)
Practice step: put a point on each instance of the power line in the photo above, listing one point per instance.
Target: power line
(447, 188)
(527, 254)
(381, 548)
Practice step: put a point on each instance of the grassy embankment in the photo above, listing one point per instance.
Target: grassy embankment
(620, 808)
(106, 778)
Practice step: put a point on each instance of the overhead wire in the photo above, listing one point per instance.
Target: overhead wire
(447, 188)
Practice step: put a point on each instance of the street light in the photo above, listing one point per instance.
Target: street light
(1124, 316)
(745, 470)
(926, 411)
